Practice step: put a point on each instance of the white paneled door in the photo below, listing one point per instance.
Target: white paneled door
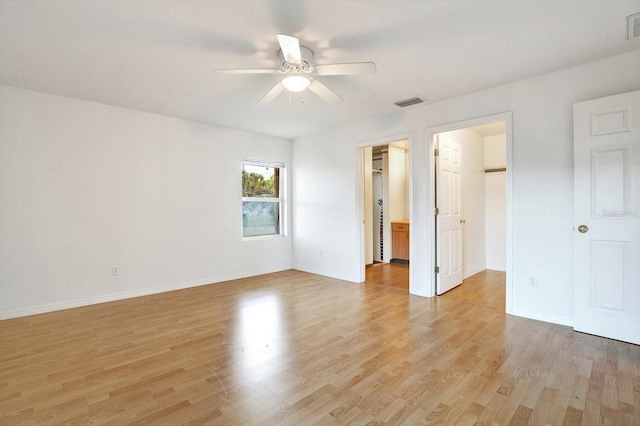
(607, 216)
(448, 219)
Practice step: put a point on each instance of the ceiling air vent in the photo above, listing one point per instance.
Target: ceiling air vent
(409, 102)
(633, 26)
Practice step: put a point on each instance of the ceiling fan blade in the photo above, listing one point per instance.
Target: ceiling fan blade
(346, 69)
(290, 49)
(271, 94)
(247, 71)
(328, 95)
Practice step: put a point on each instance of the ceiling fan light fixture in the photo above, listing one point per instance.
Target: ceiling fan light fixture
(296, 83)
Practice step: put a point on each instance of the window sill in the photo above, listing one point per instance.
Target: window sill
(264, 237)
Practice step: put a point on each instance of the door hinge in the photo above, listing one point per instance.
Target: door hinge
(436, 269)
(436, 152)
(437, 211)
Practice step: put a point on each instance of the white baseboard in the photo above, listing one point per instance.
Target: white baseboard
(58, 306)
(472, 272)
(552, 319)
(319, 271)
(500, 268)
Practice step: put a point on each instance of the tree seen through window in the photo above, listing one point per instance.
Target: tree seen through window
(261, 201)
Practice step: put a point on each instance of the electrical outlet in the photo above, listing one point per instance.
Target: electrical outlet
(115, 270)
(533, 282)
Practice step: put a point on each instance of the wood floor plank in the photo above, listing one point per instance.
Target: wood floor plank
(486, 288)
(297, 348)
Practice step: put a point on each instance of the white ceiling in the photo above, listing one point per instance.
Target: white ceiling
(157, 56)
(491, 129)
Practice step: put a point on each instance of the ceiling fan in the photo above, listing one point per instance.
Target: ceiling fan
(300, 73)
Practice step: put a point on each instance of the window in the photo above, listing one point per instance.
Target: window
(262, 200)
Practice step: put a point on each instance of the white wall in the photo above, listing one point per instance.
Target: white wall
(326, 167)
(495, 152)
(85, 186)
(496, 202)
(368, 206)
(407, 184)
(398, 203)
(473, 205)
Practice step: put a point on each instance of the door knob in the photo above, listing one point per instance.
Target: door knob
(583, 229)
(463, 221)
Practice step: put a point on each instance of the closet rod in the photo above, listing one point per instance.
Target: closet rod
(501, 169)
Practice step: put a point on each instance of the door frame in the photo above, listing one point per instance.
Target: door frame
(360, 194)
(429, 134)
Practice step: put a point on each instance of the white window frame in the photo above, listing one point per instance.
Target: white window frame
(280, 200)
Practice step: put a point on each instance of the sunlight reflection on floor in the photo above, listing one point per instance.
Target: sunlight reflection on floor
(261, 336)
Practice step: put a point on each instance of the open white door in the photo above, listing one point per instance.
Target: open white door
(448, 218)
(607, 216)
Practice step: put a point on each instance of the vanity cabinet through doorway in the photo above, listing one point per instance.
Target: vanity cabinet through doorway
(400, 239)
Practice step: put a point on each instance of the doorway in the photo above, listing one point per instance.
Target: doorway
(470, 224)
(386, 183)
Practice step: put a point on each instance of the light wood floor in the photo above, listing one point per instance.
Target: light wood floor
(296, 348)
(486, 288)
(391, 274)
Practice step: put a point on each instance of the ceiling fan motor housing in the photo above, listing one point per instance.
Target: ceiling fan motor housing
(304, 67)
